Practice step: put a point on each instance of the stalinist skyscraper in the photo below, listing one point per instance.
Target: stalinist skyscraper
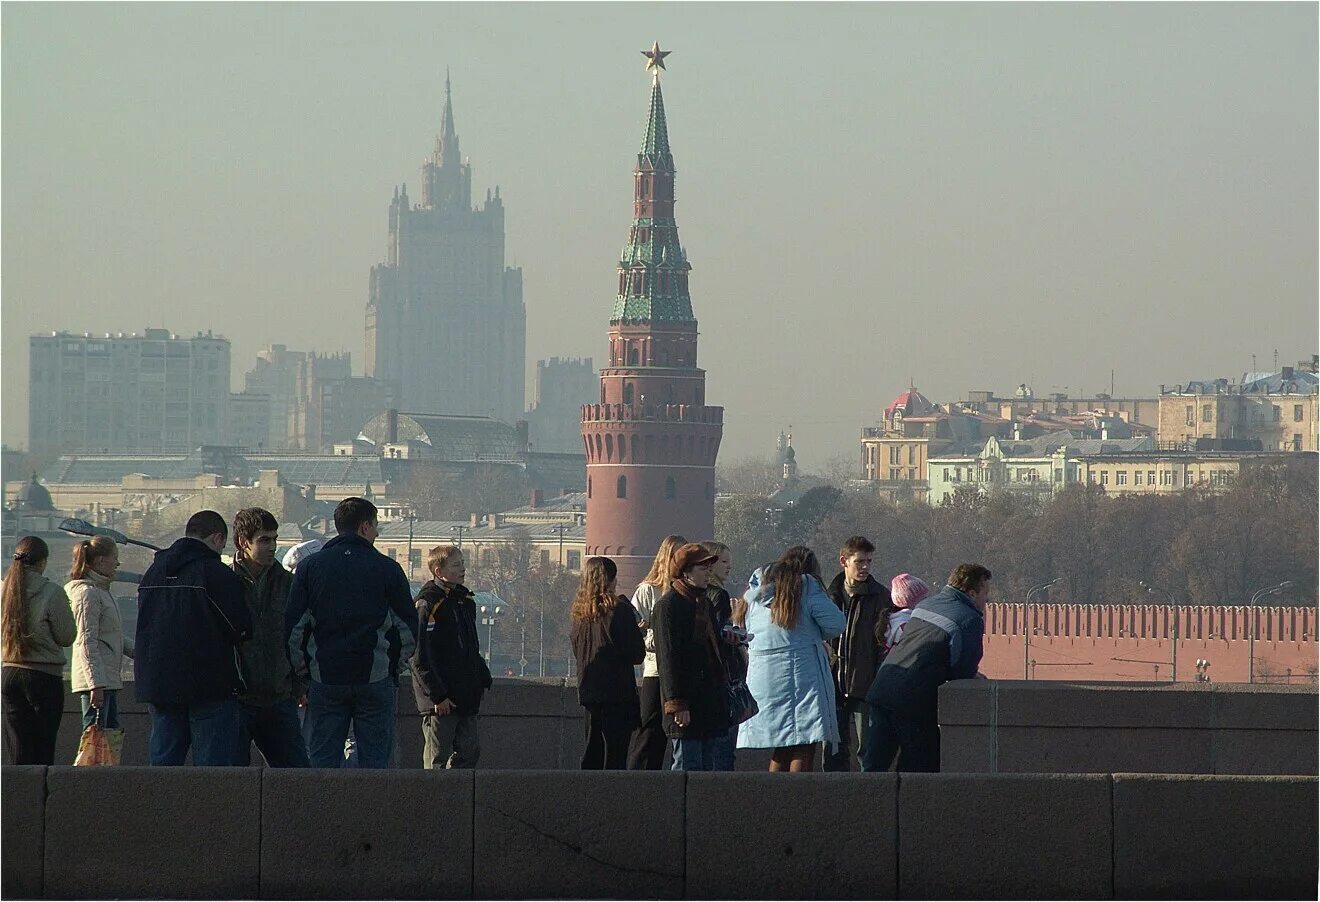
(445, 317)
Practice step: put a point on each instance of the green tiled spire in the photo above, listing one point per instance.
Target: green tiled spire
(655, 146)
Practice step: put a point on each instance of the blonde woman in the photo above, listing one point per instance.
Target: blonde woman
(99, 650)
(647, 751)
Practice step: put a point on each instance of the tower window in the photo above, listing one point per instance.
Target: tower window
(588, 486)
(621, 489)
(671, 487)
(627, 393)
(632, 356)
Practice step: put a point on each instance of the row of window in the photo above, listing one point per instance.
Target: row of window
(621, 488)
(1209, 414)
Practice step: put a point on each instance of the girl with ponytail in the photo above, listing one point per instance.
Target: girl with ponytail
(99, 650)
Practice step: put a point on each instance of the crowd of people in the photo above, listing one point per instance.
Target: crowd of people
(301, 657)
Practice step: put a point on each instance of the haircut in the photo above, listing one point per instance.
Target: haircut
(969, 578)
(662, 567)
(719, 549)
(594, 600)
(788, 572)
(204, 524)
(856, 545)
(252, 520)
(88, 552)
(441, 555)
(29, 554)
(352, 513)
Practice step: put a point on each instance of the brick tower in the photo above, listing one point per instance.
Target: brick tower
(651, 441)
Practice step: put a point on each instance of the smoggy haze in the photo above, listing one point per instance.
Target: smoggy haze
(971, 196)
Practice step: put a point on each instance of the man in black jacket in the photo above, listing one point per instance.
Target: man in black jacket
(866, 605)
(449, 673)
(191, 617)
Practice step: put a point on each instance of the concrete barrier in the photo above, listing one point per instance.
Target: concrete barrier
(1186, 837)
(366, 834)
(130, 832)
(989, 836)
(792, 836)
(596, 835)
(1016, 726)
(22, 815)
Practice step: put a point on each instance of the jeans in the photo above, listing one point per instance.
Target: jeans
(694, 754)
(274, 728)
(916, 740)
(854, 726)
(210, 729)
(647, 749)
(609, 732)
(367, 707)
(450, 742)
(107, 715)
(33, 708)
(305, 728)
(725, 749)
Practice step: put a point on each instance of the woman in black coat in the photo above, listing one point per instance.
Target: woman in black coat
(607, 644)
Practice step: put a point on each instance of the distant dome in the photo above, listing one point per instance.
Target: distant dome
(912, 403)
(34, 497)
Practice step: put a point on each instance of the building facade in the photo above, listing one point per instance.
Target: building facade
(445, 318)
(153, 391)
(554, 421)
(651, 441)
(1279, 410)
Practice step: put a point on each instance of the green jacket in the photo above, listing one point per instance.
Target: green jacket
(264, 659)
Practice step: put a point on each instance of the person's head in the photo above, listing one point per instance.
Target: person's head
(973, 580)
(719, 571)
(255, 533)
(99, 555)
(595, 595)
(446, 564)
(855, 558)
(30, 556)
(662, 568)
(908, 591)
(788, 571)
(301, 552)
(209, 528)
(356, 517)
(692, 565)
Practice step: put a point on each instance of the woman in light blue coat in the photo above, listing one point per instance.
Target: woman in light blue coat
(790, 617)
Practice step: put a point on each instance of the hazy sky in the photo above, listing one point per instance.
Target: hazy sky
(970, 196)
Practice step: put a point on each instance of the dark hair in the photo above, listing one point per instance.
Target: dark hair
(204, 524)
(352, 513)
(788, 571)
(250, 521)
(593, 600)
(30, 552)
(856, 545)
(88, 552)
(969, 577)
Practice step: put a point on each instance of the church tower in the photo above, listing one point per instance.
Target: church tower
(651, 442)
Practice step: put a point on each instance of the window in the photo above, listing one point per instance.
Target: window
(1205, 413)
(893, 473)
(575, 560)
(671, 487)
(1191, 415)
(946, 474)
(1297, 441)
(1104, 477)
(394, 554)
(1150, 477)
(627, 393)
(912, 473)
(545, 557)
(1297, 413)
(1090, 477)
(588, 486)
(1278, 413)
(415, 557)
(1166, 477)
(632, 357)
(1136, 477)
(1120, 478)
(895, 455)
(912, 449)
(1188, 478)
(621, 488)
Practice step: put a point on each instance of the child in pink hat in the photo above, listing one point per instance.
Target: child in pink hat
(907, 591)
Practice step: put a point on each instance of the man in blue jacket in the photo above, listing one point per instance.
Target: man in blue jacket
(351, 621)
(191, 617)
(943, 641)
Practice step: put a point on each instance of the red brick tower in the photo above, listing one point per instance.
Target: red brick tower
(651, 441)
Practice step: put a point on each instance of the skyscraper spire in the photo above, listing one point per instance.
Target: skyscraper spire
(446, 145)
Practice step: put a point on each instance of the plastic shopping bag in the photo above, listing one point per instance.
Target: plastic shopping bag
(99, 747)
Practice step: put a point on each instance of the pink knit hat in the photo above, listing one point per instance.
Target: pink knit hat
(908, 591)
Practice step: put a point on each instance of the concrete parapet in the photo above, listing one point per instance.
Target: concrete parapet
(596, 835)
(134, 832)
(792, 836)
(1005, 836)
(22, 815)
(364, 834)
(1183, 837)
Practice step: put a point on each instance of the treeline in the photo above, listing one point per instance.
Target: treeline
(1199, 547)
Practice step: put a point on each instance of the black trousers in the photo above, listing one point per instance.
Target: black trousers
(33, 705)
(609, 734)
(647, 751)
(915, 739)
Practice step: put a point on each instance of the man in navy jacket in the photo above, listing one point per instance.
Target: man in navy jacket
(943, 641)
(351, 622)
(192, 614)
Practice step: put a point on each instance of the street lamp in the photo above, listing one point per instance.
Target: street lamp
(412, 518)
(459, 529)
(83, 528)
(1026, 627)
(1173, 608)
(1251, 627)
(488, 614)
(560, 529)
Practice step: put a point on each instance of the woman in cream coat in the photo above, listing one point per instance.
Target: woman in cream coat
(99, 649)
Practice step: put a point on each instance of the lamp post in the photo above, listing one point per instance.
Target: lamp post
(488, 614)
(1173, 608)
(459, 529)
(1251, 627)
(412, 518)
(1026, 625)
(559, 529)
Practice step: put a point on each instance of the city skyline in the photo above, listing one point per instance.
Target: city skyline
(1040, 194)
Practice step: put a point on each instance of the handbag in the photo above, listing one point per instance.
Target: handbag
(99, 747)
(742, 706)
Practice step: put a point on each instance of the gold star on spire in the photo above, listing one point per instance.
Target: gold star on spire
(655, 58)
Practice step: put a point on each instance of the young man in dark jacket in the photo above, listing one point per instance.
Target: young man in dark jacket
(943, 641)
(357, 607)
(449, 674)
(268, 705)
(856, 656)
(191, 618)
(693, 684)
